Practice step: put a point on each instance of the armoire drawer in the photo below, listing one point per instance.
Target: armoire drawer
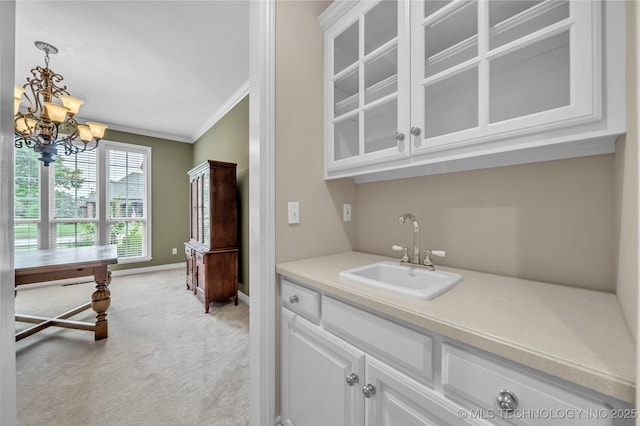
(301, 300)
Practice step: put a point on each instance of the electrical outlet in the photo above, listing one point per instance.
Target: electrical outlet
(346, 212)
(294, 213)
(174, 251)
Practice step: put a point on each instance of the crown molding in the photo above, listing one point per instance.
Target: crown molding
(335, 11)
(222, 111)
(228, 106)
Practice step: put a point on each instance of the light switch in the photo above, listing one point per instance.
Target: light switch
(294, 213)
(346, 212)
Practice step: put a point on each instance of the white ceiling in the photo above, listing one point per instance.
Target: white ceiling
(158, 68)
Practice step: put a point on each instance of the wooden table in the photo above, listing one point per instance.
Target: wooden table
(36, 266)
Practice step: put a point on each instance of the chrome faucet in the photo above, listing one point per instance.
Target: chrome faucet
(416, 235)
(415, 261)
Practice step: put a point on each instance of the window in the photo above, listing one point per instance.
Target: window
(96, 197)
(126, 189)
(27, 200)
(73, 215)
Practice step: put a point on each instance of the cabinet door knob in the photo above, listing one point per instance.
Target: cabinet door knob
(369, 390)
(352, 379)
(399, 136)
(507, 400)
(294, 299)
(415, 131)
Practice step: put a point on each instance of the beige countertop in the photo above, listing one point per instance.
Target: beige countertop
(575, 334)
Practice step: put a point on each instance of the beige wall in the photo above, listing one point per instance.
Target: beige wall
(627, 169)
(550, 221)
(228, 140)
(299, 140)
(299, 168)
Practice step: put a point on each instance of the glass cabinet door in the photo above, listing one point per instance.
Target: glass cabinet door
(446, 68)
(482, 68)
(206, 209)
(369, 98)
(534, 77)
(194, 209)
(200, 210)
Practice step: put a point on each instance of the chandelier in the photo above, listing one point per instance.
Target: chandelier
(48, 122)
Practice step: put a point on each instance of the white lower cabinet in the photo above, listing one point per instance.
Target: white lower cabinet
(482, 381)
(399, 400)
(336, 377)
(315, 366)
(327, 381)
(342, 365)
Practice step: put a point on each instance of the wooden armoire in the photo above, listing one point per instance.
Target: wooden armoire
(212, 249)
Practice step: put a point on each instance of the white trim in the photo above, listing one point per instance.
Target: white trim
(145, 269)
(334, 12)
(243, 298)
(8, 412)
(224, 109)
(262, 212)
(104, 219)
(150, 133)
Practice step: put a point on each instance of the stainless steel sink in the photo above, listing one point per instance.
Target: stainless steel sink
(404, 279)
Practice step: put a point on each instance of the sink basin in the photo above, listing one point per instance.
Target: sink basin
(403, 279)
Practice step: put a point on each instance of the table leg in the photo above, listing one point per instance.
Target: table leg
(100, 301)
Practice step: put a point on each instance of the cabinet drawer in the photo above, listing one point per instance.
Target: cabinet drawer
(301, 300)
(199, 257)
(405, 348)
(480, 380)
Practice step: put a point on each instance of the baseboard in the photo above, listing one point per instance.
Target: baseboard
(243, 298)
(155, 268)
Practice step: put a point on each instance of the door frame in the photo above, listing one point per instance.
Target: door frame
(262, 212)
(261, 216)
(8, 409)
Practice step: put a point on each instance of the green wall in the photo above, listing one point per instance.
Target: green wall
(170, 162)
(228, 140)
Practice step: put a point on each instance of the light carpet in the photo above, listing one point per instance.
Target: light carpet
(165, 361)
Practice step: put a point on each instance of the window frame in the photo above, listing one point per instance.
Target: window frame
(103, 206)
(52, 220)
(46, 223)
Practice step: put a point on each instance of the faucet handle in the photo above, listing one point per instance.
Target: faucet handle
(405, 255)
(426, 262)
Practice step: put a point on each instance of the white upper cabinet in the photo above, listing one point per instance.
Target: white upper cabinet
(469, 84)
(367, 76)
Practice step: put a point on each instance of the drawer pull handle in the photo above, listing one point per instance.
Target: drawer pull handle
(294, 299)
(352, 379)
(507, 400)
(369, 390)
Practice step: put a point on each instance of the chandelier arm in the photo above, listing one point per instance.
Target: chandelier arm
(37, 129)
